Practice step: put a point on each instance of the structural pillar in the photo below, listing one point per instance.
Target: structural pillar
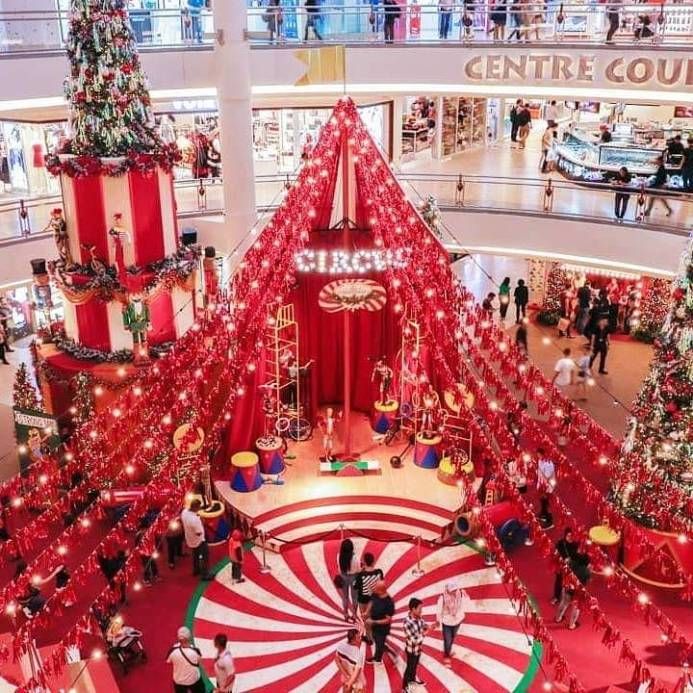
(232, 67)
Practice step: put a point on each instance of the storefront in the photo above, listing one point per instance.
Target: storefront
(32, 308)
(23, 148)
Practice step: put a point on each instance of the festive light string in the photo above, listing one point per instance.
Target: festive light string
(510, 355)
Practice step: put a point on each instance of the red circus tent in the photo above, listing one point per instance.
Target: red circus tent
(347, 199)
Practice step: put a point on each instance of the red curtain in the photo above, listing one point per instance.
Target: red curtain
(90, 217)
(148, 230)
(162, 319)
(92, 325)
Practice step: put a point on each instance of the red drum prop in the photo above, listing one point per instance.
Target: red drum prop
(214, 520)
(646, 567)
(384, 416)
(245, 472)
(428, 451)
(271, 451)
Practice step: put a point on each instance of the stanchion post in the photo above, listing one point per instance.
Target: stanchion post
(417, 570)
(264, 568)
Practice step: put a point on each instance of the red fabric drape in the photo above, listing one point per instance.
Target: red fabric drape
(148, 230)
(92, 325)
(90, 217)
(248, 419)
(162, 319)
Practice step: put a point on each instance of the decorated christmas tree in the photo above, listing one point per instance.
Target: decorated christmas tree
(83, 402)
(556, 284)
(110, 107)
(653, 310)
(654, 483)
(24, 393)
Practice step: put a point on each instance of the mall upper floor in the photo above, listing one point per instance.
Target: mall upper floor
(574, 50)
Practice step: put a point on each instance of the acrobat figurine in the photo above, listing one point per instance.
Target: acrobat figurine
(328, 424)
(58, 226)
(431, 405)
(384, 374)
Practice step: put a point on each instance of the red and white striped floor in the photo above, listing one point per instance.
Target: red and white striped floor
(284, 625)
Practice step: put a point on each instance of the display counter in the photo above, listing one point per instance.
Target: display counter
(581, 157)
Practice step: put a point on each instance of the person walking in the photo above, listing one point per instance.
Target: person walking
(658, 181)
(584, 373)
(521, 296)
(445, 19)
(514, 115)
(504, 298)
(194, 533)
(450, 614)
(195, 14)
(546, 144)
(584, 297)
(414, 631)
(567, 549)
(600, 345)
(347, 575)
(275, 20)
(379, 615)
(391, 10)
(349, 659)
(621, 180)
(3, 346)
(364, 584)
(224, 668)
(687, 166)
(564, 371)
(499, 17)
(612, 16)
(185, 659)
(236, 556)
(524, 121)
(580, 566)
(312, 16)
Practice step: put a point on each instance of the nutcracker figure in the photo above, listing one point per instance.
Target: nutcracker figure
(136, 321)
(58, 226)
(384, 374)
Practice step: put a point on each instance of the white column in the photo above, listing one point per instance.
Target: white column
(397, 110)
(232, 59)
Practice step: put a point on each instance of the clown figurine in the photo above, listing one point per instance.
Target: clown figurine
(136, 321)
(384, 374)
(431, 404)
(328, 424)
(58, 226)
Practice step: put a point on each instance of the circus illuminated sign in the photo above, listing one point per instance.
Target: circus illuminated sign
(354, 262)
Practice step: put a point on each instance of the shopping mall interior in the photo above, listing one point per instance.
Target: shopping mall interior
(346, 346)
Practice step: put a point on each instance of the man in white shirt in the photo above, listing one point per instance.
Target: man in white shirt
(564, 371)
(350, 658)
(194, 532)
(185, 659)
(224, 669)
(551, 114)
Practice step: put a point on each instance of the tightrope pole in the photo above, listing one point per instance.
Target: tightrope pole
(417, 570)
(264, 568)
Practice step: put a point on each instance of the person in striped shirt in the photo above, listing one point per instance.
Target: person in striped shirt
(349, 659)
(364, 583)
(414, 631)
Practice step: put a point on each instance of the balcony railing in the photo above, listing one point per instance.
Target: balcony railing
(647, 25)
(549, 22)
(551, 197)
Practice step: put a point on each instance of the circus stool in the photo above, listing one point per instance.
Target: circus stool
(449, 474)
(271, 451)
(427, 451)
(384, 416)
(245, 472)
(607, 538)
(215, 523)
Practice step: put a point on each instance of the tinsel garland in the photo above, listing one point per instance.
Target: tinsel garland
(83, 165)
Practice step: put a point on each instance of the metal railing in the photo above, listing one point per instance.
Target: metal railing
(670, 25)
(483, 22)
(36, 30)
(541, 196)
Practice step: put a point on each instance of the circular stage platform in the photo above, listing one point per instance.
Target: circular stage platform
(286, 624)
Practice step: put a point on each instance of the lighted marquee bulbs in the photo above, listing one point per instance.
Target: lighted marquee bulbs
(343, 262)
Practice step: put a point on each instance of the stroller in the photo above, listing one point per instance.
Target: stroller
(124, 642)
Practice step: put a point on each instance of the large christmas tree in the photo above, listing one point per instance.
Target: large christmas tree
(110, 107)
(654, 481)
